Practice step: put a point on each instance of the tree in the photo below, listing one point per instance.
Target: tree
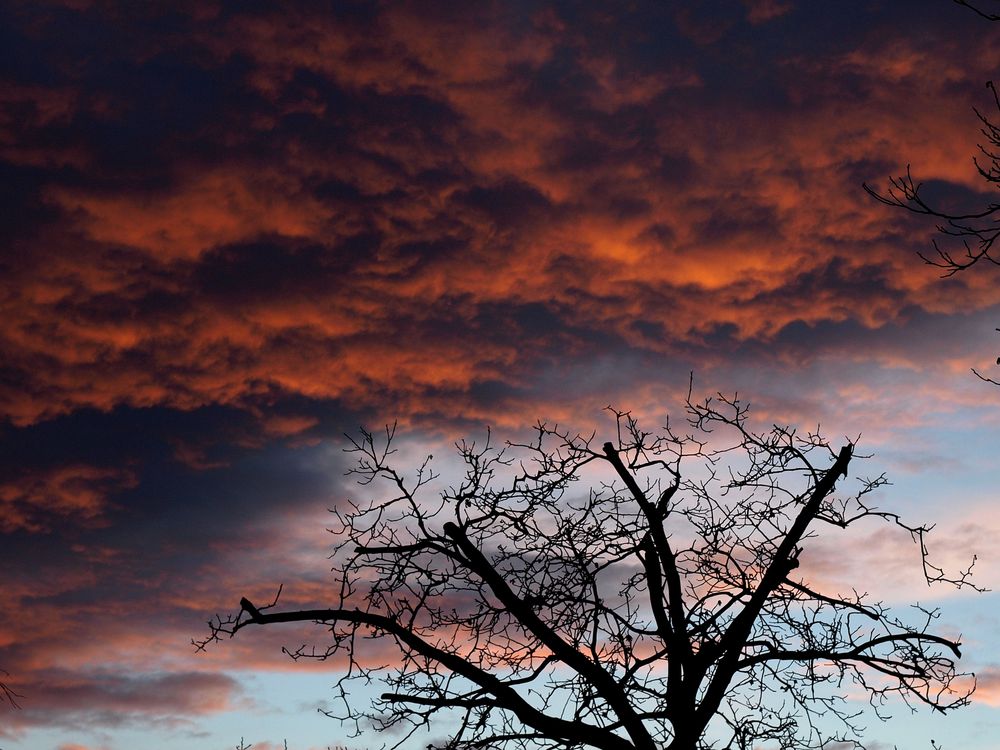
(660, 608)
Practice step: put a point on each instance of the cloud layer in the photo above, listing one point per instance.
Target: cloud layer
(412, 203)
(231, 232)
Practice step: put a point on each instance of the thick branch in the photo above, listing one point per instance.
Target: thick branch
(858, 652)
(668, 562)
(603, 683)
(731, 643)
(830, 600)
(506, 697)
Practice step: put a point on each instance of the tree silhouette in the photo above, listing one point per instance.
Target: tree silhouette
(662, 607)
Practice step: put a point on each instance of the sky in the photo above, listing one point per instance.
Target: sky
(234, 231)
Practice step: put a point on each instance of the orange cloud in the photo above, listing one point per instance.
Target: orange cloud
(658, 243)
(76, 492)
(203, 211)
(453, 217)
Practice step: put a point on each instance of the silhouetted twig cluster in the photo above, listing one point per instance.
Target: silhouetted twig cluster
(976, 231)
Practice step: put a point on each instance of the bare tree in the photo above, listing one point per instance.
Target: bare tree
(660, 608)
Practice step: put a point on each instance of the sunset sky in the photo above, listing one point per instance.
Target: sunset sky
(234, 231)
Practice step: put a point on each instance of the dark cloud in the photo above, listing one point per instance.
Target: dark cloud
(511, 204)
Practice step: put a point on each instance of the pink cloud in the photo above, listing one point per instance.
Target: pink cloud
(988, 687)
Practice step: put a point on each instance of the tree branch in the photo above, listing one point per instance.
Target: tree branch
(505, 695)
(783, 561)
(609, 690)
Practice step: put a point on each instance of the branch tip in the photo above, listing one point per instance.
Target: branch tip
(247, 606)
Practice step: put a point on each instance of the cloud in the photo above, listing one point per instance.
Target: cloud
(234, 231)
(77, 493)
(110, 700)
(380, 204)
(987, 686)
(840, 562)
(761, 11)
